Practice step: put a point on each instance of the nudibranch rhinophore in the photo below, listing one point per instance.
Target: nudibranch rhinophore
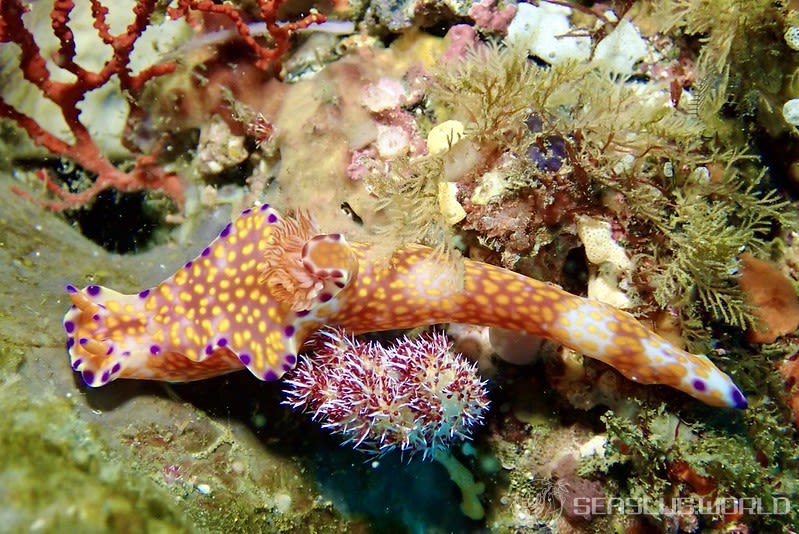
(255, 294)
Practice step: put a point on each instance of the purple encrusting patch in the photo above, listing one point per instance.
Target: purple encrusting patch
(93, 290)
(144, 294)
(289, 331)
(272, 218)
(738, 399)
(69, 326)
(226, 230)
(270, 376)
(155, 349)
(245, 359)
(699, 384)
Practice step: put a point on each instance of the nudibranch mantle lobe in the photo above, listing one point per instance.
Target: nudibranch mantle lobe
(253, 296)
(211, 317)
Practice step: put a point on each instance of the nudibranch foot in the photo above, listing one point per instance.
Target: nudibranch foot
(255, 294)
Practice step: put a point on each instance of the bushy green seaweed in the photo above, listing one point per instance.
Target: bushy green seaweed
(410, 198)
(743, 60)
(758, 463)
(708, 226)
(687, 202)
(489, 90)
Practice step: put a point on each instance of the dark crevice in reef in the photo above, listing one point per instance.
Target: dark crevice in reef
(118, 222)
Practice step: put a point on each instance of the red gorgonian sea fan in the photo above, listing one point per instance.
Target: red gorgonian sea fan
(81, 147)
(416, 396)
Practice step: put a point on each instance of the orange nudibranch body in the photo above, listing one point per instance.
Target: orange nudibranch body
(260, 289)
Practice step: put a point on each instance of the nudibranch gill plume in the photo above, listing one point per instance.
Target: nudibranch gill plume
(255, 294)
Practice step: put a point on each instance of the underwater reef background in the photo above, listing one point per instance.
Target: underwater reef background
(639, 153)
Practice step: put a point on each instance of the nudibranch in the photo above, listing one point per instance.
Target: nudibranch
(255, 294)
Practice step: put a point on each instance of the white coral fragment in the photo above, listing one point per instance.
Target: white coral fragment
(443, 136)
(384, 94)
(792, 37)
(218, 148)
(392, 141)
(609, 259)
(600, 247)
(603, 285)
(790, 111)
(621, 50)
(546, 32)
(448, 203)
(491, 185)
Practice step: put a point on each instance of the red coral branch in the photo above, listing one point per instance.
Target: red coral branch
(146, 174)
(280, 32)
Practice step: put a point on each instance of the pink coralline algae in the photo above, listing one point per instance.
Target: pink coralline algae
(488, 16)
(416, 396)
